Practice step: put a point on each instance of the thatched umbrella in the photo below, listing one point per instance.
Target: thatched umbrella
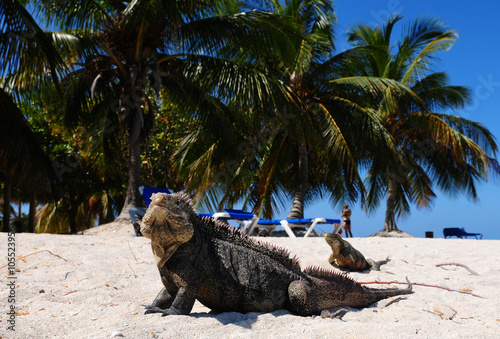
(23, 162)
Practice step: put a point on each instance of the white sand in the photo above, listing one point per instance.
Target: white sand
(96, 287)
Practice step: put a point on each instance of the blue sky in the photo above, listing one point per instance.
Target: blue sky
(473, 61)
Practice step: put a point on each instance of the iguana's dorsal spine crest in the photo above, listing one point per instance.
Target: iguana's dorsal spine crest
(233, 235)
(187, 199)
(319, 272)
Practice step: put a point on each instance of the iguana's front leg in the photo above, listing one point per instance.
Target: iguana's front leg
(163, 301)
(165, 298)
(182, 303)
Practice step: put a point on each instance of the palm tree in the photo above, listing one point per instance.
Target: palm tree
(274, 156)
(195, 53)
(298, 149)
(316, 19)
(424, 146)
(24, 49)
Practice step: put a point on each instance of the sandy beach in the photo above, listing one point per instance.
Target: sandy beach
(94, 286)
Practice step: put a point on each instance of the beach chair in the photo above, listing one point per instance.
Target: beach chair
(288, 224)
(246, 219)
(137, 213)
(459, 233)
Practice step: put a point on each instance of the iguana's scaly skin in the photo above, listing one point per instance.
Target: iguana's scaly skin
(345, 256)
(200, 259)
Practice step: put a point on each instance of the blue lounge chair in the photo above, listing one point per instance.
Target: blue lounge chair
(245, 219)
(288, 224)
(146, 193)
(459, 233)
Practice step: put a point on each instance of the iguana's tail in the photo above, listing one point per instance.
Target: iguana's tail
(324, 290)
(366, 296)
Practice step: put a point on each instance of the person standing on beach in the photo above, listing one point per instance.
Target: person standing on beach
(346, 213)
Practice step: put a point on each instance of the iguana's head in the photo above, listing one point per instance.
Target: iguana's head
(167, 224)
(335, 242)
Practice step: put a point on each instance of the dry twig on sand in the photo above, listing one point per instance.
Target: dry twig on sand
(461, 265)
(135, 275)
(132, 251)
(27, 255)
(442, 315)
(393, 302)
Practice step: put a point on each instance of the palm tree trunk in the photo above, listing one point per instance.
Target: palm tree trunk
(101, 220)
(72, 211)
(297, 210)
(6, 205)
(390, 218)
(31, 217)
(133, 197)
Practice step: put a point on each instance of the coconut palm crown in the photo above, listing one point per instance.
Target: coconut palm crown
(426, 147)
(129, 56)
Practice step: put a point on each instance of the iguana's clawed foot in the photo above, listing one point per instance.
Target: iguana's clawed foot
(152, 309)
(334, 313)
(155, 309)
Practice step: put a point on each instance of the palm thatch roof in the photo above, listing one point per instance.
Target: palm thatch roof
(22, 159)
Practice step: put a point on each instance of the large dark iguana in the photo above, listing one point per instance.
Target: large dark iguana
(228, 271)
(345, 256)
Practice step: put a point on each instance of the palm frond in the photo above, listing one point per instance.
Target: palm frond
(421, 63)
(437, 94)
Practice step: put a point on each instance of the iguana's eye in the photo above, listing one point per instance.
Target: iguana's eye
(178, 202)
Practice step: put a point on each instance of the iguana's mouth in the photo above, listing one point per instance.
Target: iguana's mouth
(158, 200)
(156, 206)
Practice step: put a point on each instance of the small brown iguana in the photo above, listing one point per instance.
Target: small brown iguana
(347, 257)
(204, 260)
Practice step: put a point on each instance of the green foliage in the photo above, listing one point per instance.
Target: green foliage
(93, 190)
(421, 145)
(231, 105)
(171, 126)
(204, 56)
(254, 156)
